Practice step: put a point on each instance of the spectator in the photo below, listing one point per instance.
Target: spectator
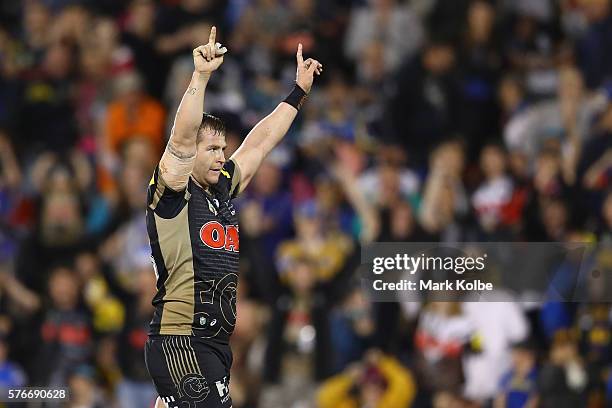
(496, 327)
(108, 313)
(133, 114)
(518, 386)
(390, 180)
(380, 381)
(337, 118)
(60, 230)
(266, 212)
(594, 64)
(480, 63)
(423, 107)
(564, 380)
(45, 110)
(175, 21)
(441, 334)
(269, 206)
(83, 391)
(445, 204)
(135, 388)
(529, 49)
(36, 25)
(495, 192)
(298, 335)
(593, 166)
(353, 328)
(384, 21)
(569, 115)
(65, 332)
(327, 249)
(139, 36)
(127, 249)
(546, 213)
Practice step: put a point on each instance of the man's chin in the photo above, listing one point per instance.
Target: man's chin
(212, 178)
(207, 180)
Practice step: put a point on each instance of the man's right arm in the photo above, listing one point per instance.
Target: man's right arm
(178, 159)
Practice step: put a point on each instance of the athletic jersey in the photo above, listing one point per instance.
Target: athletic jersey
(195, 247)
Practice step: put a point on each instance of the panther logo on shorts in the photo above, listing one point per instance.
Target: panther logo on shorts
(195, 387)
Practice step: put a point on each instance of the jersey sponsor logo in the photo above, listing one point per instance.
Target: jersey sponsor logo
(216, 236)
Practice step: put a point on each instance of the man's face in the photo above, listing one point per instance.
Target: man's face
(523, 361)
(492, 161)
(210, 157)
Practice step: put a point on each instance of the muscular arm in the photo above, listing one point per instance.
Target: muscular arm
(178, 159)
(271, 129)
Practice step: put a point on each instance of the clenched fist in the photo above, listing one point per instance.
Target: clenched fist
(306, 70)
(207, 58)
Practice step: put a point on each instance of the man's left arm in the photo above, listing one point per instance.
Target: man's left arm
(271, 129)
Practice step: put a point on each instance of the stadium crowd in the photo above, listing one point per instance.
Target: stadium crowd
(435, 120)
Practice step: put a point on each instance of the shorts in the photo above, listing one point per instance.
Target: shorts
(189, 372)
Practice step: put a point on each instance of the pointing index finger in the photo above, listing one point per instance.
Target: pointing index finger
(299, 57)
(213, 35)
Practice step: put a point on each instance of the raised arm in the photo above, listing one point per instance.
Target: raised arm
(178, 159)
(271, 129)
(366, 212)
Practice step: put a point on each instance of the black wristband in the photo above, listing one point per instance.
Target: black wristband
(297, 97)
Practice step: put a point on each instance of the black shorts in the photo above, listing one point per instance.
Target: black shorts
(188, 372)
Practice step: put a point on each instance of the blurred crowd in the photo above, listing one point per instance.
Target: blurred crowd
(435, 120)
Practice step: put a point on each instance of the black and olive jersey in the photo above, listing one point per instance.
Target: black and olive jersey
(195, 248)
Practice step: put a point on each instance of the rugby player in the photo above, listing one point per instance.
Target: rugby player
(193, 231)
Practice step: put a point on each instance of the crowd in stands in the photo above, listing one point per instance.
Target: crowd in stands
(435, 120)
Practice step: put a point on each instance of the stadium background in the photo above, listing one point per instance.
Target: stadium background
(441, 120)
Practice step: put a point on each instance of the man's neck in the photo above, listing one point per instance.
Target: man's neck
(203, 186)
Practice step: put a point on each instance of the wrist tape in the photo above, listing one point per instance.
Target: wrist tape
(297, 97)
